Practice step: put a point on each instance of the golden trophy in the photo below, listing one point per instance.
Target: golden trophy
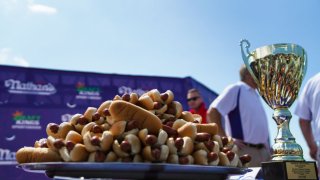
(278, 70)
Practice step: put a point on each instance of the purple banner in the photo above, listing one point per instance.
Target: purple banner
(31, 98)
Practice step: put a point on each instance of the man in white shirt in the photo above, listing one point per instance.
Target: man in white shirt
(308, 110)
(245, 118)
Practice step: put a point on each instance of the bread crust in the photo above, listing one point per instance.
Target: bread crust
(74, 121)
(188, 129)
(118, 128)
(89, 113)
(186, 115)
(147, 154)
(175, 108)
(105, 105)
(187, 147)
(31, 154)
(111, 157)
(117, 149)
(155, 95)
(197, 117)
(211, 128)
(173, 159)
(178, 123)
(146, 102)
(200, 157)
(74, 137)
(134, 141)
(134, 98)
(171, 145)
(217, 138)
(62, 130)
(162, 137)
(224, 161)
(170, 97)
(122, 110)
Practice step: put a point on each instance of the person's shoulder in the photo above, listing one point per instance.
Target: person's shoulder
(315, 77)
(314, 80)
(233, 87)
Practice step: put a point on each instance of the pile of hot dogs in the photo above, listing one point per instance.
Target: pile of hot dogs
(149, 128)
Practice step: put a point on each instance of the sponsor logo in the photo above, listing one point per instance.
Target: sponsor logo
(66, 117)
(11, 138)
(71, 105)
(22, 121)
(18, 87)
(7, 155)
(129, 90)
(85, 92)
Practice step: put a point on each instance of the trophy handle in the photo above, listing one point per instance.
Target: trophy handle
(245, 44)
(305, 64)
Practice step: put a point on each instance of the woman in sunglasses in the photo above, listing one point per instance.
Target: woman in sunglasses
(196, 104)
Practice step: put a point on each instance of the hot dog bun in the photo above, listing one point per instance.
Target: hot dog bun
(175, 108)
(77, 154)
(31, 154)
(155, 95)
(224, 161)
(188, 129)
(187, 147)
(146, 102)
(211, 128)
(186, 115)
(200, 157)
(59, 131)
(122, 110)
(104, 106)
(197, 118)
(167, 96)
(156, 155)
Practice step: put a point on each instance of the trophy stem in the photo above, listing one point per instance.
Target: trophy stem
(285, 147)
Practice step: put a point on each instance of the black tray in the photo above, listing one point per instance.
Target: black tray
(132, 170)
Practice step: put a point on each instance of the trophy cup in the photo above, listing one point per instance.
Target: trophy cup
(278, 71)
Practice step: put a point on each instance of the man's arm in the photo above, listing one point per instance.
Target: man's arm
(306, 129)
(213, 116)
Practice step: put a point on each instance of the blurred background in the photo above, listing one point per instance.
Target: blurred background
(172, 38)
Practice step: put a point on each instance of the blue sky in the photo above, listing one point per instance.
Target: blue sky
(168, 38)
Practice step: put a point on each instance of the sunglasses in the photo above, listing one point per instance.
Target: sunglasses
(193, 98)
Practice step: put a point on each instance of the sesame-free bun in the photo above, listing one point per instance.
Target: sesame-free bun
(31, 154)
(122, 110)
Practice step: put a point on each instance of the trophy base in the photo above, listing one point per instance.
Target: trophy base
(278, 170)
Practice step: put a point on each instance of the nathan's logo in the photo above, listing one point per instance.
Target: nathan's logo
(129, 90)
(22, 121)
(18, 87)
(6, 156)
(86, 92)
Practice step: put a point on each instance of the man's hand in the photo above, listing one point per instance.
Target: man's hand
(213, 116)
(313, 150)
(306, 129)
